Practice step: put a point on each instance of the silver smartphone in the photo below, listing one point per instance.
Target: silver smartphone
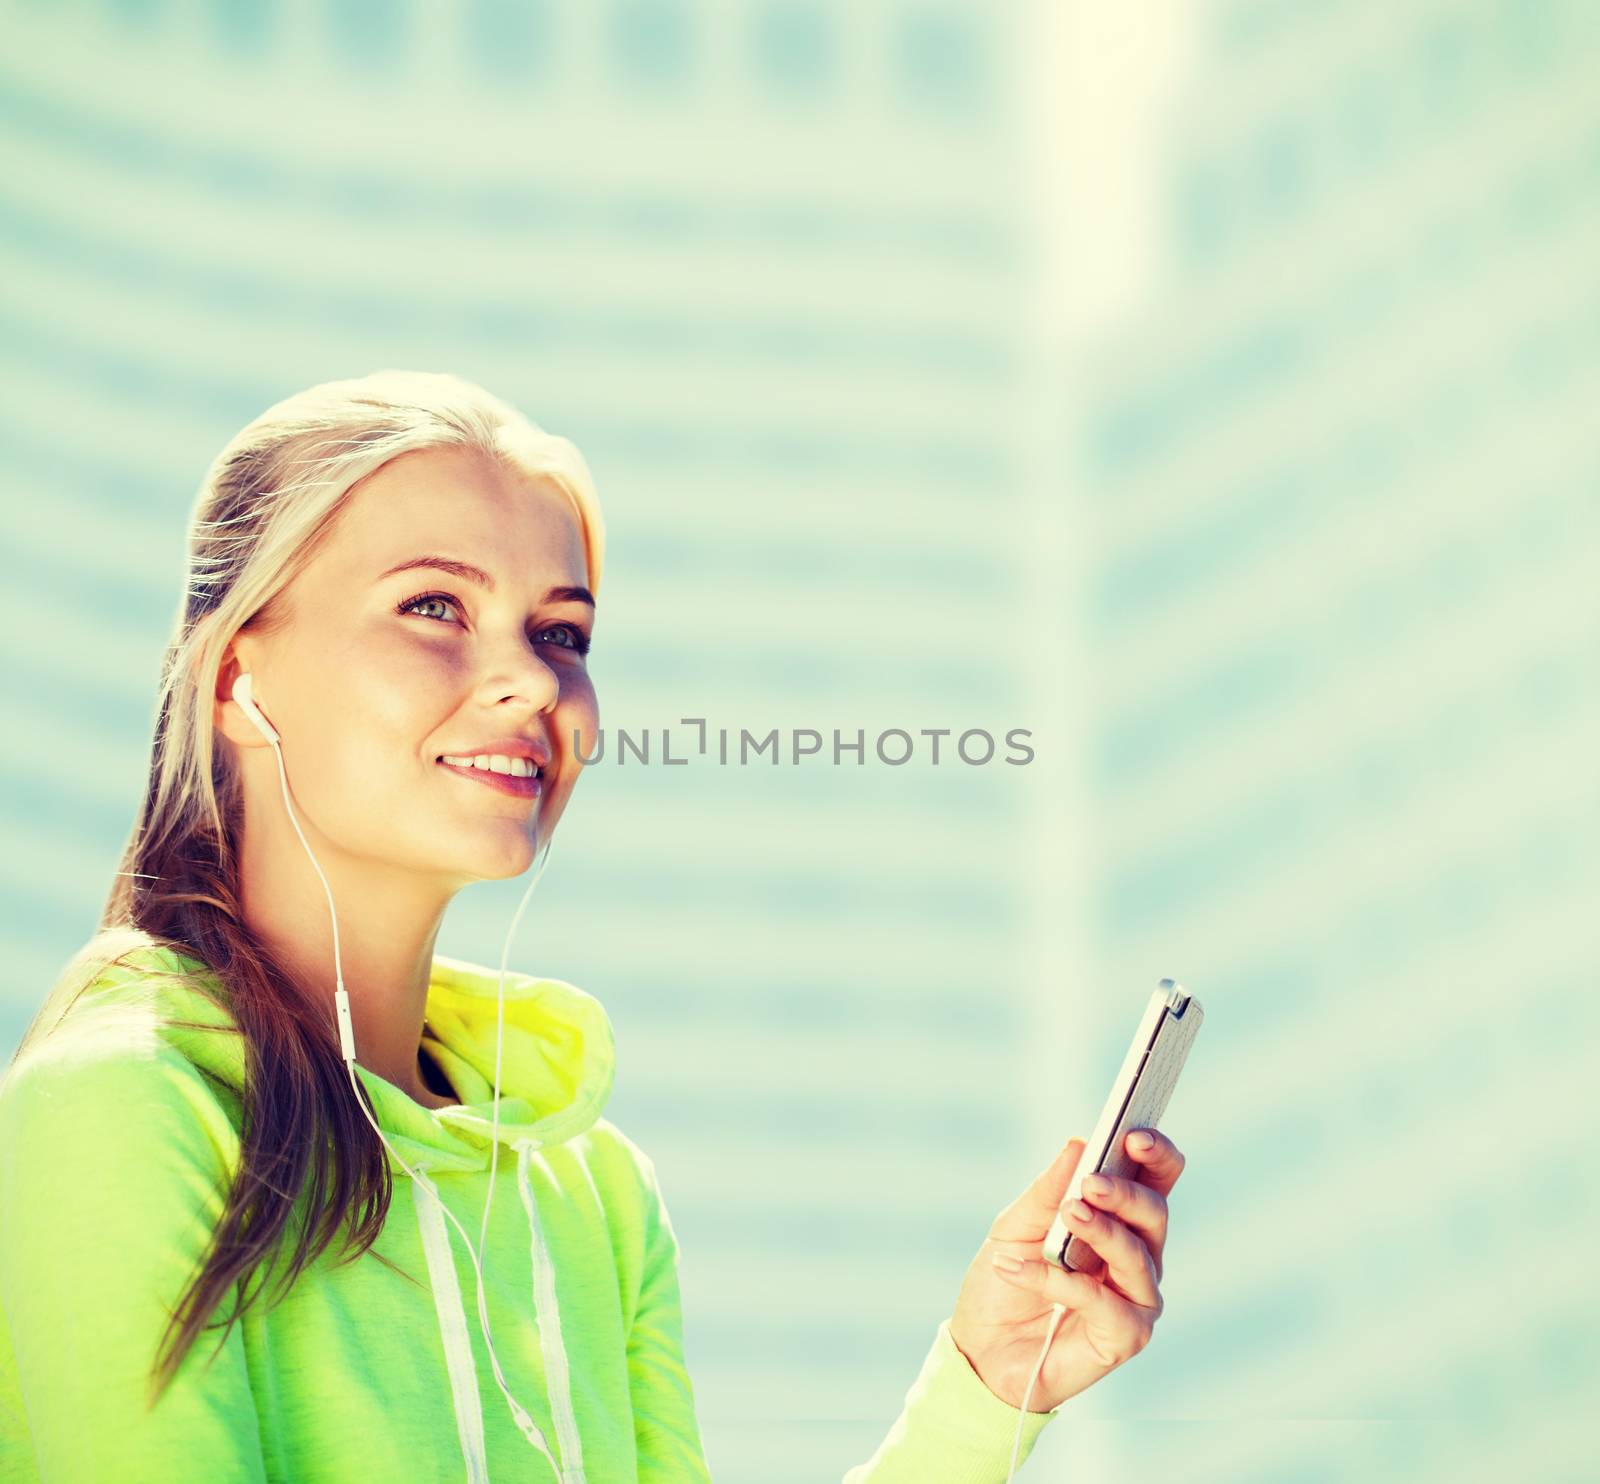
(1138, 1099)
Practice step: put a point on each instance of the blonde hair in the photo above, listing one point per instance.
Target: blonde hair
(267, 502)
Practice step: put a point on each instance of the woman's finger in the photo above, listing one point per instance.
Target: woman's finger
(1120, 1329)
(1128, 1261)
(1030, 1215)
(1137, 1206)
(1161, 1163)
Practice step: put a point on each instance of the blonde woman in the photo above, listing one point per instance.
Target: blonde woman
(259, 1103)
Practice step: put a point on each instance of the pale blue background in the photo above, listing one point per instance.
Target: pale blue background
(1284, 549)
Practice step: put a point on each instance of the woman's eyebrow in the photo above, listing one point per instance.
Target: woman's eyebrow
(469, 573)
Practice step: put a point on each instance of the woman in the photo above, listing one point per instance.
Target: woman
(389, 604)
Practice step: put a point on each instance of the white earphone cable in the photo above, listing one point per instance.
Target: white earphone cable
(1056, 1312)
(525, 1423)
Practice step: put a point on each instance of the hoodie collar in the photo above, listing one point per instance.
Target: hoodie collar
(558, 1064)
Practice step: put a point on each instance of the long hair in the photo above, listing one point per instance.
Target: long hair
(310, 1163)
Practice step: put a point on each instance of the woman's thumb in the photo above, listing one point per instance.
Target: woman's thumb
(1050, 1189)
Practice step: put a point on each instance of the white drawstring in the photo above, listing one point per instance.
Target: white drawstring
(431, 1211)
(557, 1381)
(452, 1328)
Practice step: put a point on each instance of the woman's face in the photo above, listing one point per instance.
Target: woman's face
(379, 673)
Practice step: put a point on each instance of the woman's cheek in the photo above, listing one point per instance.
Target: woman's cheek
(405, 689)
(577, 718)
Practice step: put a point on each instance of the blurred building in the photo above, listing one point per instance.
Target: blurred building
(1340, 485)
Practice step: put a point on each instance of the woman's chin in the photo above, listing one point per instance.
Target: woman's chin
(498, 852)
(498, 843)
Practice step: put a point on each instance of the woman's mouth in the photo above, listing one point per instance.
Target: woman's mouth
(507, 783)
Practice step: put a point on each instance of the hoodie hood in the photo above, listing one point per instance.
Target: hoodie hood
(558, 1064)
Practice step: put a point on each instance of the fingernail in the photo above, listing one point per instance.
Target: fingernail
(1141, 1141)
(1081, 1211)
(1097, 1185)
(1007, 1261)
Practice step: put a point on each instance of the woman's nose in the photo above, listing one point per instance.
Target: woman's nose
(519, 673)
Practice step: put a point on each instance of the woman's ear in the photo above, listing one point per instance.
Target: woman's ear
(226, 716)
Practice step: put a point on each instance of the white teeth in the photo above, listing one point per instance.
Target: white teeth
(516, 767)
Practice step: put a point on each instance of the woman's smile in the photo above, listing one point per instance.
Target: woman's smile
(509, 783)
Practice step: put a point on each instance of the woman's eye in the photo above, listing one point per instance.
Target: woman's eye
(411, 604)
(572, 637)
(576, 639)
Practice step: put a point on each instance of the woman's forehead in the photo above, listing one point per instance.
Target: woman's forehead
(508, 522)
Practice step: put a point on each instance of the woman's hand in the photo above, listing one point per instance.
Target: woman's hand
(1001, 1317)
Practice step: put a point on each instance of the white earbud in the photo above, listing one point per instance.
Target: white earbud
(241, 694)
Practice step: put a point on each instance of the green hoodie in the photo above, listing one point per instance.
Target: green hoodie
(119, 1135)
